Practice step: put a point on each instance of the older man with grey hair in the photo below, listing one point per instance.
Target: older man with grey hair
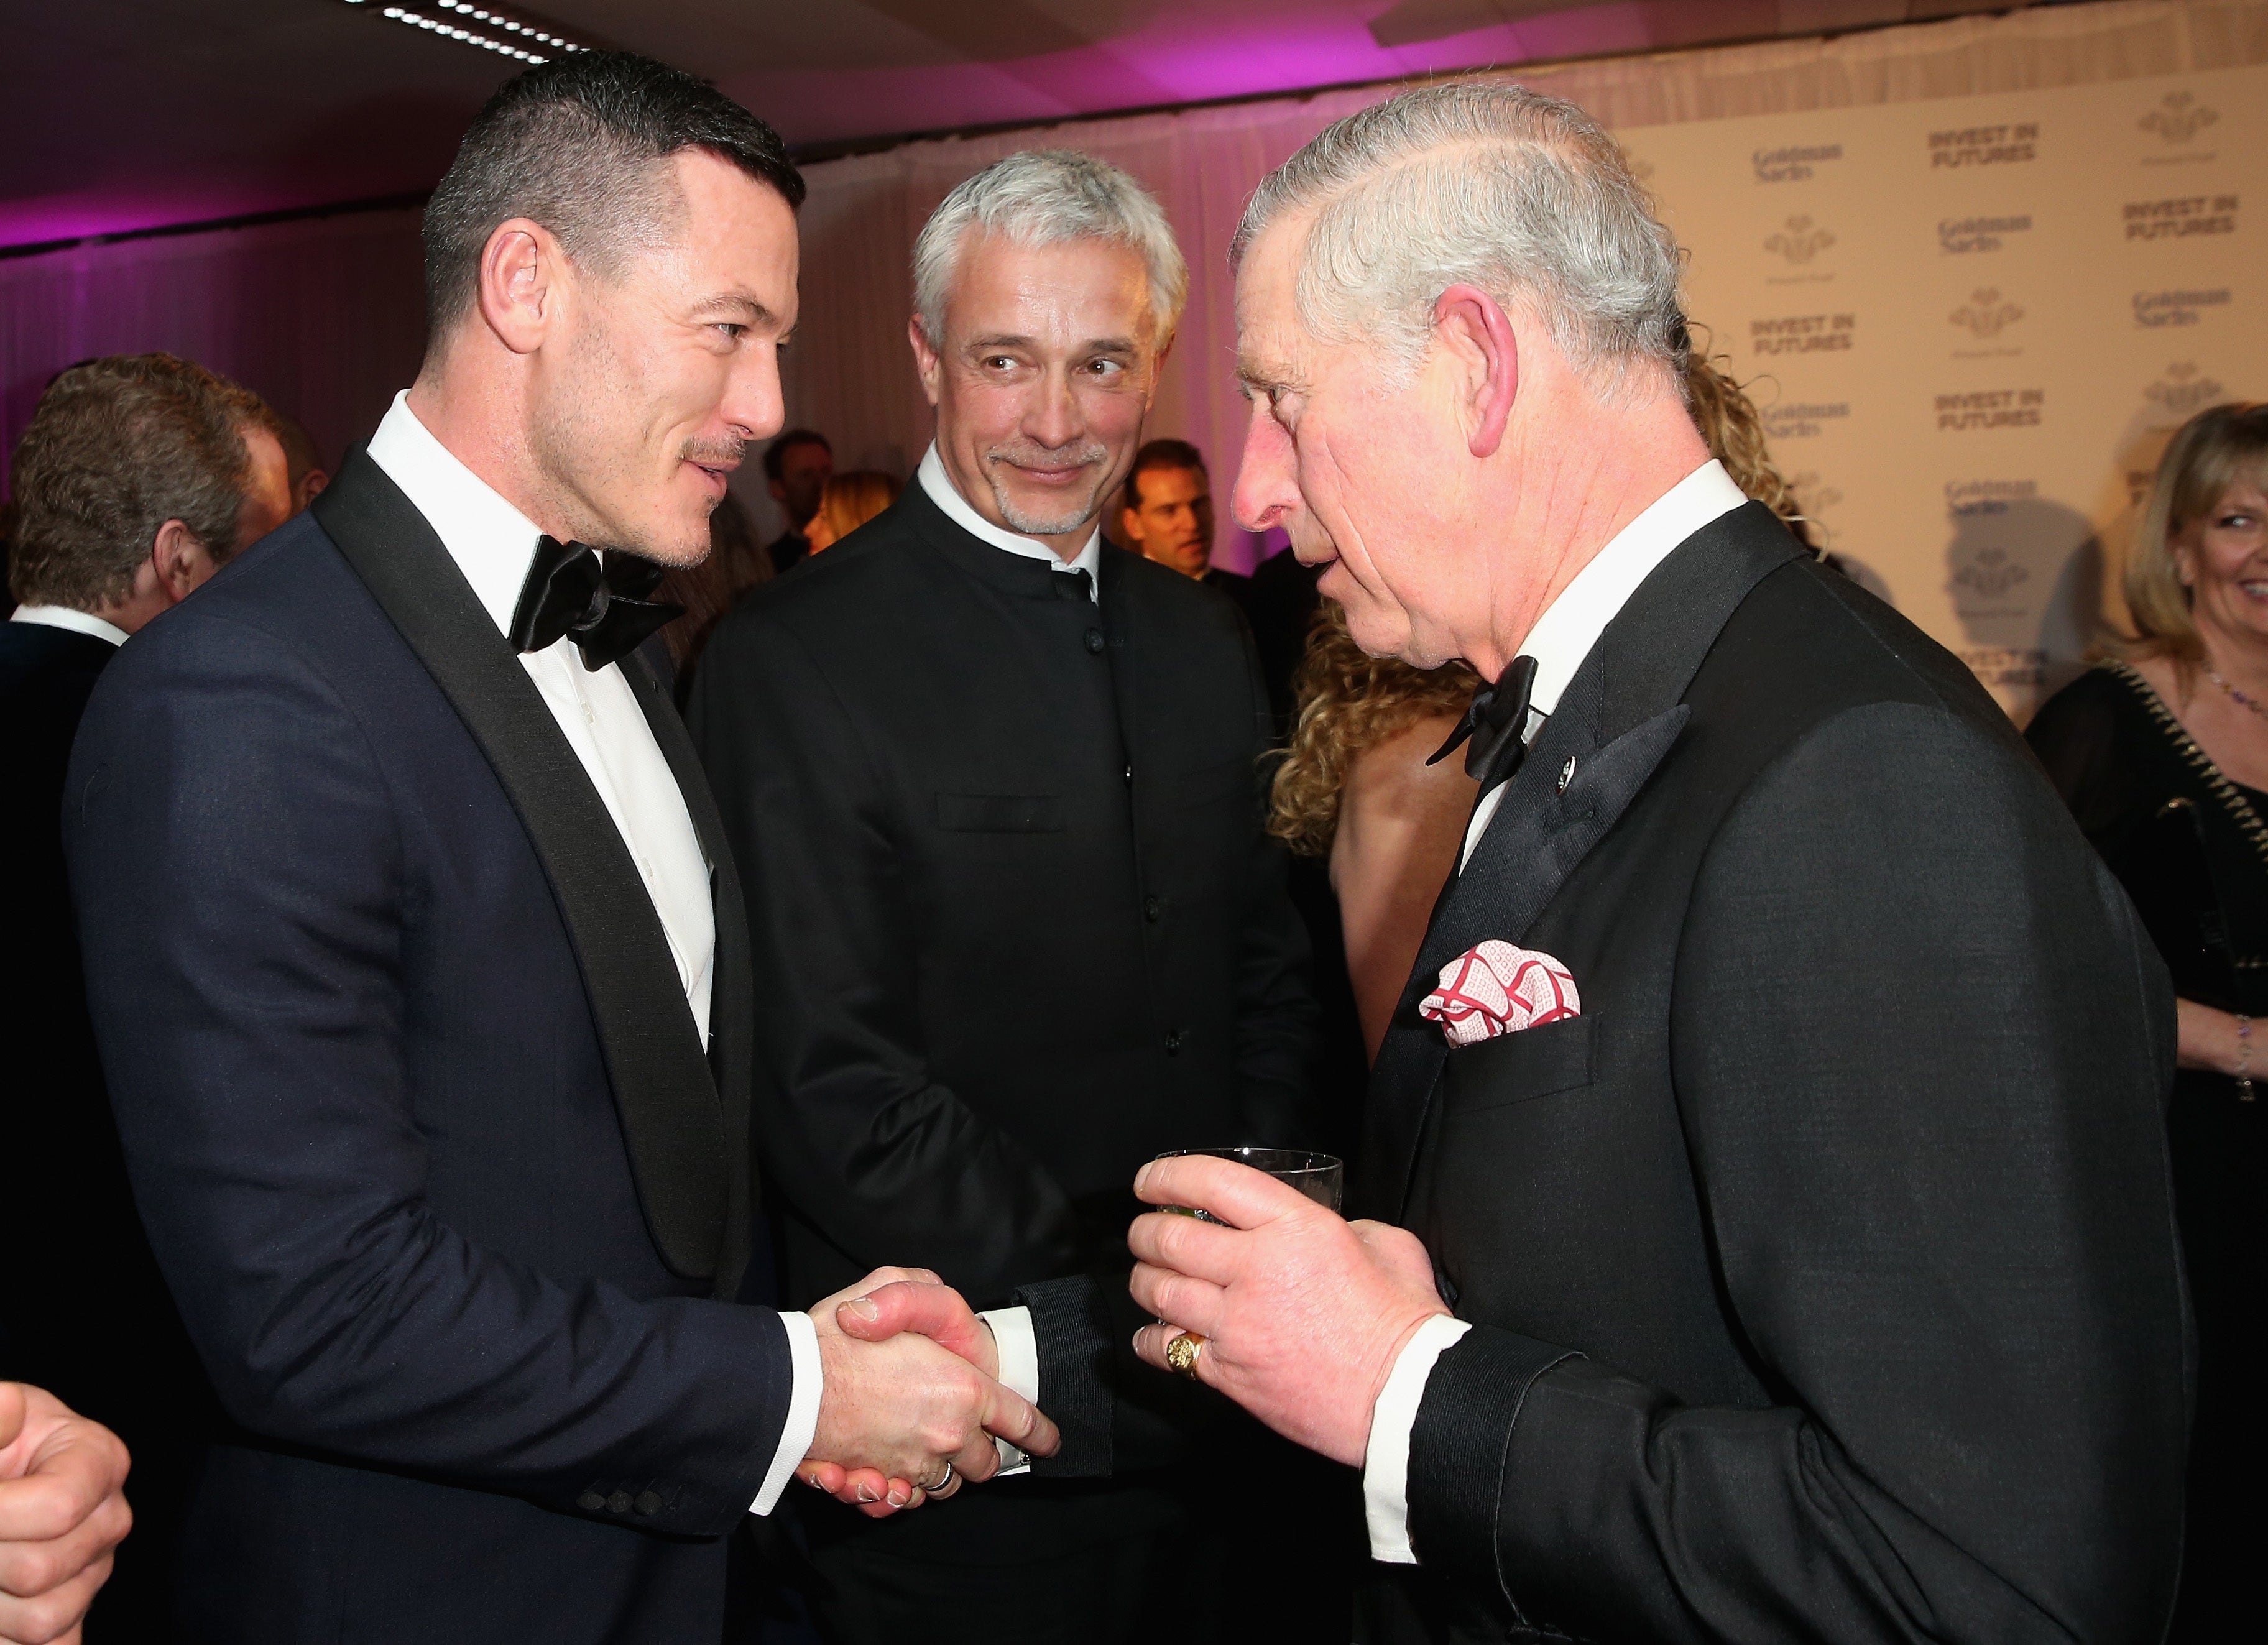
(994, 788)
(1773, 1234)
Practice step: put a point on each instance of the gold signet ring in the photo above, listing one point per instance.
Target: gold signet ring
(1181, 1353)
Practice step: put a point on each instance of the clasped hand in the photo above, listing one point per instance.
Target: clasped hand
(1303, 1313)
(908, 1384)
(62, 1510)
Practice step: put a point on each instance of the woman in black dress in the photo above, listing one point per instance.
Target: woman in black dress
(2163, 754)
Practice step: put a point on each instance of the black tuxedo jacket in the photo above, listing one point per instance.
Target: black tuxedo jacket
(1016, 927)
(87, 1315)
(425, 1137)
(1822, 1270)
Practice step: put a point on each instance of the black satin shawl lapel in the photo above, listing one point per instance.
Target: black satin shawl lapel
(1617, 719)
(672, 1125)
(731, 1015)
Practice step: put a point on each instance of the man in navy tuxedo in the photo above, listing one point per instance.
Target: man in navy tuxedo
(418, 963)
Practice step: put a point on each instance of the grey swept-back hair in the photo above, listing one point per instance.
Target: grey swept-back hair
(1043, 197)
(1488, 185)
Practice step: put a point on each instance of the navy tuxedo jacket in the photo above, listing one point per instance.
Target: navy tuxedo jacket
(452, 1201)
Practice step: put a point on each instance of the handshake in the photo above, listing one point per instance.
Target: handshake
(911, 1399)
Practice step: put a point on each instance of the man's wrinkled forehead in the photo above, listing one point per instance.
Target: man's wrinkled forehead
(1273, 348)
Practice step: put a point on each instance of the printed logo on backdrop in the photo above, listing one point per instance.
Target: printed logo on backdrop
(1983, 145)
(2005, 665)
(1803, 419)
(2184, 218)
(1959, 236)
(1803, 334)
(2177, 308)
(2181, 394)
(1977, 410)
(2176, 121)
(1986, 313)
(1800, 240)
(1813, 495)
(1794, 163)
(2170, 400)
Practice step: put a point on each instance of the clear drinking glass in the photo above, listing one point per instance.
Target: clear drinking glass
(1320, 1176)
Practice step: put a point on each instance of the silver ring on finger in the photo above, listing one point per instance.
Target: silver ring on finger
(944, 1484)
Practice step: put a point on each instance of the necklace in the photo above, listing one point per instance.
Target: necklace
(2237, 696)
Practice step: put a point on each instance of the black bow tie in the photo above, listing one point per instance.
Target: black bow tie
(606, 609)
(1494, 721)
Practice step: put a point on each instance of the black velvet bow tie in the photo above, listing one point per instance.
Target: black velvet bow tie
(567, 592)
(1493, 723)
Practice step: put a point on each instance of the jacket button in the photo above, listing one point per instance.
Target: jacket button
(590, 1501)
(619, 1503)
(1095, 641)
(1153, 909)
(649, 1503)
(1174, 1044)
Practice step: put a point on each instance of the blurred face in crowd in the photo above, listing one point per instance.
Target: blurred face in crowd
(2222, 558)
(268, 500)
(1041, 381)
(645, 384)
(1368, 468)
(1173, 524)
(805, 470)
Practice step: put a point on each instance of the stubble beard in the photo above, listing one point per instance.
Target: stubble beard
(1093, 455)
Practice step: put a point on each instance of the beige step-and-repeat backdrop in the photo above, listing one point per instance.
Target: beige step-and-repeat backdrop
(1972, 324)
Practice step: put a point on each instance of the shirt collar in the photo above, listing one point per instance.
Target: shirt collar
(492, 542)
(1571, 624)
(935, 481)
(70, 617)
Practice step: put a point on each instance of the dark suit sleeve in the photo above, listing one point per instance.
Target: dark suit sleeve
(857, 1135)
(1919, 1045)
(248, 919)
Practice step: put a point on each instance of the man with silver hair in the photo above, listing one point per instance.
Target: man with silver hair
(1773, 1234)
(994, 786)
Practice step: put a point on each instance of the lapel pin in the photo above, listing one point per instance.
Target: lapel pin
(1566, 773)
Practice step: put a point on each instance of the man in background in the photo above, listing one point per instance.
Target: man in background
(994, 790)
(139, 477)
(1168, 512)
(309, 476)
(797, 467)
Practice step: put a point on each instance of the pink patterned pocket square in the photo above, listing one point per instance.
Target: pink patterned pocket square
(1498, 989)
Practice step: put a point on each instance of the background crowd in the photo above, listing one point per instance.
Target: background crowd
(960, 1060)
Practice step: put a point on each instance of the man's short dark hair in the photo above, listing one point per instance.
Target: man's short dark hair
(116, 447)
(1160, 453)
(776, 453)
(579, 145)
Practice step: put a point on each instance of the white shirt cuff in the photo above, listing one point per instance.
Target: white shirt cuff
(1019, 1349)
(802, 1410)
(1385, 1459)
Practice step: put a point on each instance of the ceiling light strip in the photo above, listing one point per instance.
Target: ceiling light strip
(485, 28)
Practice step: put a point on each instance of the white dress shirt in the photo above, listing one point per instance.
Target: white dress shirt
(938, 484)
(69, 618)
(493, 544)
(1561, 639)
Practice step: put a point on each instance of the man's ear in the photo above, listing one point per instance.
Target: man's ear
(177, 564)
(1474, 329)
(522, 272)
(927, 362)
